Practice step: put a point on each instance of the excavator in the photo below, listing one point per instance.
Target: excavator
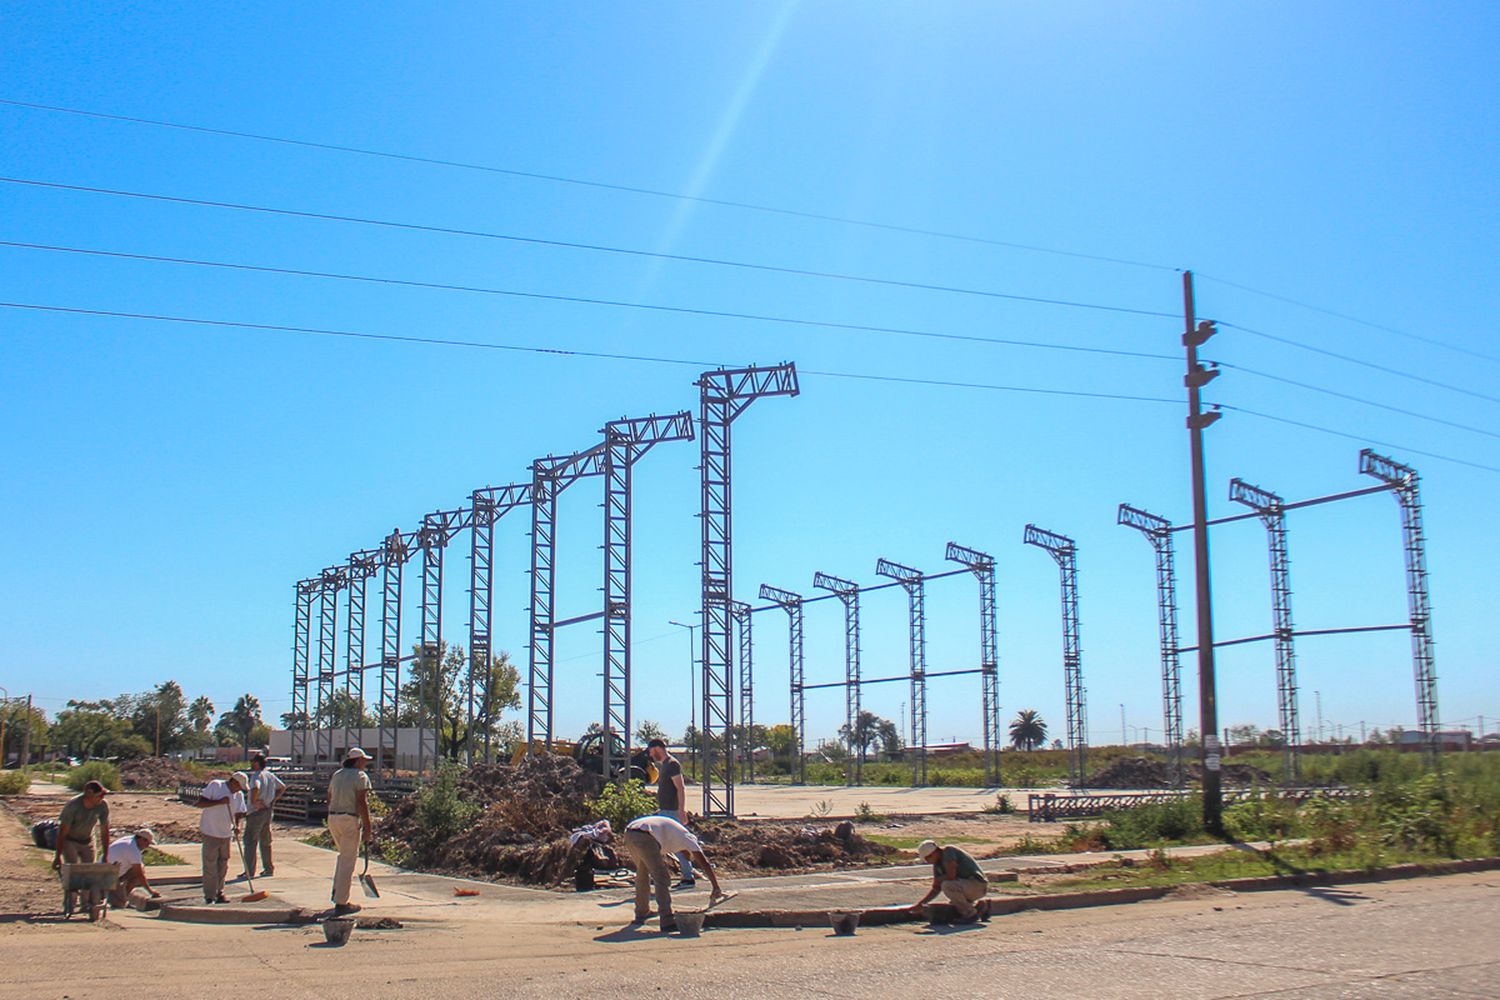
(588, 751)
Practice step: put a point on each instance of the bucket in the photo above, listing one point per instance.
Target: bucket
(844, 924)
(337, 930)
(690, 924)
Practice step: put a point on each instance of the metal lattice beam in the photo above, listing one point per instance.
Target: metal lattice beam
(1158, 531)
(982, 565)
(488, 505)
(1403, 479)
(912, 581)
(394, 553)
(739, 612)
(792, 604)
(362, 566)
(1272, 512)
(306, 590)
(723, 395)
(331, 582)
(438, 529)
(1065, 553)
(848, 594)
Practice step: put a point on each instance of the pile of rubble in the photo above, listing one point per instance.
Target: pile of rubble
(789, 848)
(1132, 772)
(158, 773)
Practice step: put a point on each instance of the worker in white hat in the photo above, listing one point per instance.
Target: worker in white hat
(223, 803)
(349, 822)
(956, 875)
(128, 855)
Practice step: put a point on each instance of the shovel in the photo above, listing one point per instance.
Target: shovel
(366, 880)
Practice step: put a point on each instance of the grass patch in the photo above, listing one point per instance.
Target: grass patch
(151, 856)
(910, 843)
(322, 839)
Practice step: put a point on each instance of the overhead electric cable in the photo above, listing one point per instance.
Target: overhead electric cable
(590, 247)
(600, 185)
(586, 300)
(1357, 437)
(531, 349)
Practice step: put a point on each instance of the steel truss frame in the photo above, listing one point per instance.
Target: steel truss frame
(438, 528)
(362, 566)
(306, 591)
(792, 604)
(739, 613)
(1271, 509)
(1158, 531)
(914, 583)
(1065, 552)
(394, 553)
(847, 592)
(486, 506)
(982, 565)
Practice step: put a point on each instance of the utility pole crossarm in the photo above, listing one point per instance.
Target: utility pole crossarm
(848, 595)
(1141, 520)
(640, 433)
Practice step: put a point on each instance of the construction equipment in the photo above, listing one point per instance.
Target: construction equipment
(589, 753)
(87, 877)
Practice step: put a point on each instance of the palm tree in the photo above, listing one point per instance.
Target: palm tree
(1028, 731)
(201, 713)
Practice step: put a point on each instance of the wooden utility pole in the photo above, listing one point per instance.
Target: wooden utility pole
(1194, 335)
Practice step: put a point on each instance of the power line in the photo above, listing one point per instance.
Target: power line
(1353, 319)
(586, 300)
(1358, 437)
(1363, 364)
(531, 349)
(599, 185)
(590, 247)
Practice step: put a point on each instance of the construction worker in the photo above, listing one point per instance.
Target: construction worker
(223, 803)
(349, 823)
(956, 875)
(75, 836)
(649, 838)
(265, 789)
(128, 854)
(671, 800)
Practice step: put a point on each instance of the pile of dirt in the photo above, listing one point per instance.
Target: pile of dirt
(156, 773)
(747, 848)
(1235, 774)
(1132, 772)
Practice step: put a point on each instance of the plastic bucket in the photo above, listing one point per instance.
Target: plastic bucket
(690, 924)
(337, 930)
(844, 923)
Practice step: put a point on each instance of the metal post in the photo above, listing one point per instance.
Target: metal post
(362, 566)
(1193, 337)
(543, 581)
(481, 588)
(692, 696)
(301, 657)
(982, 565)
(394, 553)
(848, 594)
(792, 604)
(1158, 531)
(1273, 515)
(437, 529)
(739, 611)
(1065, 553)
(911, 581)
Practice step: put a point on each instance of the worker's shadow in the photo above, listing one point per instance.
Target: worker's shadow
(631, 932)
(950, 928)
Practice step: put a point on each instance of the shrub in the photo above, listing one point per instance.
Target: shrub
(620, 803)
(14, 782)
(1261, 818)
(440, 811)
(1002, 807)
(1416, 815)
(1331, 824)
(101, 771)
(867, 814)
(1149, 825)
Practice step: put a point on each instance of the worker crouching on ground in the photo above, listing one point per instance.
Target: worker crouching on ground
(649, 839)
(349, 823)
(129, 855)
(223, 803)
(265, 789)
(75, 836)
(956, 875)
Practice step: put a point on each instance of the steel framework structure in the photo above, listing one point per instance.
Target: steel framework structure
(486, 506)
(438, 528)
(724, 394)
(332, 582)
(792, 604)
(1065, 553)
(362, 566)
(306, 590)
(1271, 510)
(739, 613)
(396, 550)
(982, 565)
(913, 582)
(1158, 531)
(1406, 484)
(848, 594)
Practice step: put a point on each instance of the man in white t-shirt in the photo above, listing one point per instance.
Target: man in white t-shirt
(223, 805)
(128, 855)
(649, 838)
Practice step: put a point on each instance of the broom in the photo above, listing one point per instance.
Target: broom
(254, 896)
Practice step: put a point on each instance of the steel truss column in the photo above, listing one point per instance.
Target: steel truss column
(739, 612)
(792, 604)
(723, 395)
(331, 582)
(1158, 531)
(1270, 508)
(362, 566)
(394, 553)
(848, 594)
(625, 442)
(982, 565)
(488, 505)
(301, 655)
(1065, 553)
(1404, 480)
(437, 529)
(911, 581)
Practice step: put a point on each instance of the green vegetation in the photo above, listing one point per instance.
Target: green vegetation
(621, 803)
(441, 812)
(867, 814)
(101, 771)
(910, 843)
(14, 782)
(151, 856)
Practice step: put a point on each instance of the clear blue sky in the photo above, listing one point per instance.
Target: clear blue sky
(167, 484)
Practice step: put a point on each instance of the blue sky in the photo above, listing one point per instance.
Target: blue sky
(167, 483)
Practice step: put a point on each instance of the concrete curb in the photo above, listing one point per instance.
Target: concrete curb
(232, 914)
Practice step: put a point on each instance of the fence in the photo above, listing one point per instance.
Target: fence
(1048, 807)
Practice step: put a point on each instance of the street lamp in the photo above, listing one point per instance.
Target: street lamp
(692, 693)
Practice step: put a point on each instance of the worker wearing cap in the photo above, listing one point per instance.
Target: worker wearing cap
(649, 839)
(956, 875)
(75, 835)
(265, 789)
(349, 822)
(129, 855)
(223, 804)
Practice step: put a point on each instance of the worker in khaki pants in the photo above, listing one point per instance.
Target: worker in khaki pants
(223, 804)
(649, 839)
(349, 823)
(956, 875)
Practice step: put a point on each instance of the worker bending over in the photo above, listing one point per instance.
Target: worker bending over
(649, 838)
(956, 875)
(129, 855)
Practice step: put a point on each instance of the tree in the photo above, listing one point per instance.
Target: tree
(201, 713)
(1027, 730)
(870, 730)
(236, 725)
(90, 729)
(345, 711)
(436, 696)
(159, 716)
(294, 720)
(21, 728)
(782, 742)
(648, 731)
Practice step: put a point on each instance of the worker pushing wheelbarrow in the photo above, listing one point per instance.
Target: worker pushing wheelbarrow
(74, 854)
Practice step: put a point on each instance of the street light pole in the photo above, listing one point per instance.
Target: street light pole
(692, 692)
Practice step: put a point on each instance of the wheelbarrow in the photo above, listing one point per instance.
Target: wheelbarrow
(89, 877)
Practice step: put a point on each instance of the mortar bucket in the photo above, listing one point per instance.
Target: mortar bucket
(844, 924)
(690, 924)
(337, 930)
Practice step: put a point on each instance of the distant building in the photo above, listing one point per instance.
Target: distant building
(403, 755)
(1448, 739)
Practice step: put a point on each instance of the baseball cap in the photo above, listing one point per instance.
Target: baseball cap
(926, 847)
(147, 834)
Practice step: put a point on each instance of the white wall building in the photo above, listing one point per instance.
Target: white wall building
(403, 756)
